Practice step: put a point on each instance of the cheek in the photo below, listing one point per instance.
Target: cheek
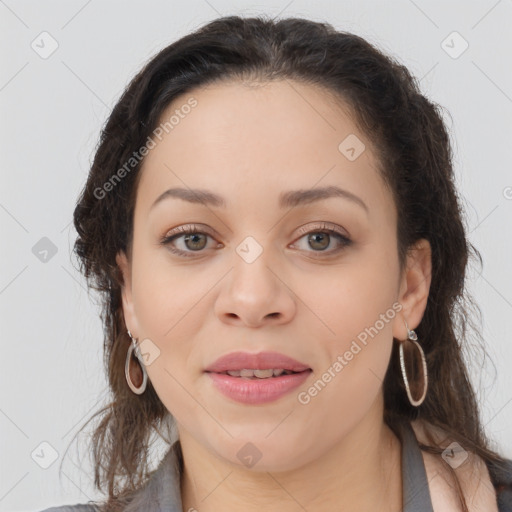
(166, 296)
(172, 305)
(170, 311)
(351, 297)
(357, 306)
(359, 309)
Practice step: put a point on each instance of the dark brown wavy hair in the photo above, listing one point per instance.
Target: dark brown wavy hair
(415, 156)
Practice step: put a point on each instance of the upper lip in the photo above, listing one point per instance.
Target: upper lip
(261, 361)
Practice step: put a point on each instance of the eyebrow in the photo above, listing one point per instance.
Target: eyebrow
(288, 199)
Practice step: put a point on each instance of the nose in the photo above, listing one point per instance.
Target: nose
(254, 295)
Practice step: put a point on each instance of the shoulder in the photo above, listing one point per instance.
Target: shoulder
(470, 471)
(80, 507)
(502, 478)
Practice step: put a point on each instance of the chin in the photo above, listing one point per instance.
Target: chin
(260, 454)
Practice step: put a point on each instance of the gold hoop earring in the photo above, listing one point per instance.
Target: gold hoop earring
(412, 337)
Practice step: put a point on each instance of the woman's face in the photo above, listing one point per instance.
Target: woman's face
(263, 273)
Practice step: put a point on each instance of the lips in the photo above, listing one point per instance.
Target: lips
(237, 361)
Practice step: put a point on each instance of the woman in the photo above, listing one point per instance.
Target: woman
(272, 221)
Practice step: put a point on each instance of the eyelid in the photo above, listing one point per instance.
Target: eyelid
(188, 228)
(323, 225)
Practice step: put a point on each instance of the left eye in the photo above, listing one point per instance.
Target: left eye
(195, 240)
(321, 240)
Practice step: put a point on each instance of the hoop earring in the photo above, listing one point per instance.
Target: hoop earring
(133, 346)
(413, 338)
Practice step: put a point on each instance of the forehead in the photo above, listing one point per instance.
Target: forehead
(254, 137)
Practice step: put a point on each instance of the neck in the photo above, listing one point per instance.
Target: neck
(360, 472)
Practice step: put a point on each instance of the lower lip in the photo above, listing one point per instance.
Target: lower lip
(257, 391)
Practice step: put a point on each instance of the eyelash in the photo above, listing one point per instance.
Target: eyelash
(193, 229)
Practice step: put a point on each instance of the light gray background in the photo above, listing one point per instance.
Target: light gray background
(52, 111)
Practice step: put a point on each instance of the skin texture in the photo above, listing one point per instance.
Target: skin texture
(249, 143)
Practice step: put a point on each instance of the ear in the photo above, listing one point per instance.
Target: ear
(414, 287)
(126, 294)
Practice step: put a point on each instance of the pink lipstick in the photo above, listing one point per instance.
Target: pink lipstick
(257, 378)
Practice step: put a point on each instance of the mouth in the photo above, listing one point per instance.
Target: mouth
(256, 365)
(257, 378)
(252, 390)
(252, 374)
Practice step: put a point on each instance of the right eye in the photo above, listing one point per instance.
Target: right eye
(194, 240)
